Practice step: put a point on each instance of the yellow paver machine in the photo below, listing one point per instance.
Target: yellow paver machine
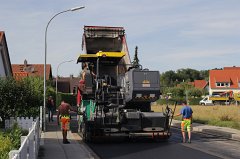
(115, 95)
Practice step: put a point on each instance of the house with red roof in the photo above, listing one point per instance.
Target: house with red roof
(200, 84)
(5, 63)
(34, 70)
(227, 79)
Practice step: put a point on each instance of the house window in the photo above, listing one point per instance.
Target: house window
(222, 84)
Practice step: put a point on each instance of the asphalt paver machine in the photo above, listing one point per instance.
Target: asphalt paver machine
(116, 98)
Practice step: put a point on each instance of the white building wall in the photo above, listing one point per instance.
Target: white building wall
(223, 90)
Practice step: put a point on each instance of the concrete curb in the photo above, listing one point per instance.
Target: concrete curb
(214, 130)
(236, 137)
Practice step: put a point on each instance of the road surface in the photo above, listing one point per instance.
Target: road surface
(203, 146)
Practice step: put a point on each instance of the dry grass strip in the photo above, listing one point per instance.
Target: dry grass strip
(214, 115)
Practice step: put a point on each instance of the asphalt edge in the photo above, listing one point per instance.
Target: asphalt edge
(91, 153)
(210, 130)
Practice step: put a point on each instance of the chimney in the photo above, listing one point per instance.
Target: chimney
(25, 63)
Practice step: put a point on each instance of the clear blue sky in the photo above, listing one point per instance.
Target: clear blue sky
(170, 34)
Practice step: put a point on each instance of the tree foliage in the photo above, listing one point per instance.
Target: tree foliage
(178, 83)
(188, 74)
(195, 92)
(204, 74)
(135, 59)
(168, 79)
(176, 91)
(21, 98)
(172, 78)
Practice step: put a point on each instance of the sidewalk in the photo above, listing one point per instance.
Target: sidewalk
(229, 133)
(52, 146)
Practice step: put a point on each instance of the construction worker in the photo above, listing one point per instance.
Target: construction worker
(81, 86)
(51, 107)
(82, 82)
(64, 117)
(186, 123)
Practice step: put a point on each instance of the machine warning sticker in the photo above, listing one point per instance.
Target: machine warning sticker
(145, 83)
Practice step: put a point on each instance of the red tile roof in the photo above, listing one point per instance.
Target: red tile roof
(20, 75)
(200, 84)
(35, 70)
(231, 68)
(231, 75)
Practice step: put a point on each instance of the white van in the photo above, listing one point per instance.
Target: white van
(206, 101)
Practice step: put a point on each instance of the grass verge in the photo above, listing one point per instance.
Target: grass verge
(223, 116)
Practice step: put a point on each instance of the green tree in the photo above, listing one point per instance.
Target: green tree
(188, 74)
(204, 74)
(168, 79)
(195, 92)
(135, 59)
(21, 98)
(176, 91)
(172, 78)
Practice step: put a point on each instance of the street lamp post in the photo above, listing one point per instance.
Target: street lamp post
(57, 76)
(45, 61)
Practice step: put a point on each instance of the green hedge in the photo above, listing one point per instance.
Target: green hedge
(192, 101)
(21, 98)
(69, 98)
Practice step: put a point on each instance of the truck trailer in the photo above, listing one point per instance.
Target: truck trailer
(224, 98)
(116, 96)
